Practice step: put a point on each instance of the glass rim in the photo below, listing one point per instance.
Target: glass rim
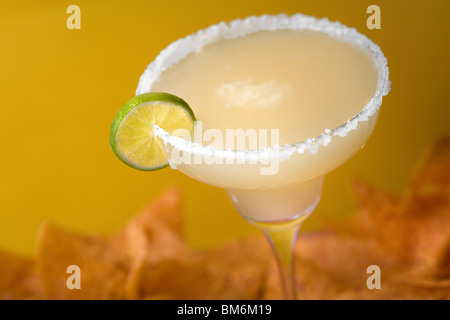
(180, 48)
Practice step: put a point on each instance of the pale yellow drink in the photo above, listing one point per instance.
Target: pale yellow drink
(302, 83)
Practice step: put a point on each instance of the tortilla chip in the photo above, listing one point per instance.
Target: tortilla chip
(432, 179)
(157, 233)
(102, 265)
(213, 274)
(441, 268)
(18, 278)
(107, 264)
(407, 236)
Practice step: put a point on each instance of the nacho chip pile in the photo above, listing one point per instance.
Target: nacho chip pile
(406, 236)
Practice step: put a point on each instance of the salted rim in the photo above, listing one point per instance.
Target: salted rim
(194, 42)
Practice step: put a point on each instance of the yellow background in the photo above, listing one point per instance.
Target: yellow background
(60, 89)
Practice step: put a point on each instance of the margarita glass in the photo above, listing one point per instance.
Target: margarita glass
(275, 201)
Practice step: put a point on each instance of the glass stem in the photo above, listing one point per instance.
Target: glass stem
(282, 237)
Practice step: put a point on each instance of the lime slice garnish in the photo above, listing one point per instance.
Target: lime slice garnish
(131, 136)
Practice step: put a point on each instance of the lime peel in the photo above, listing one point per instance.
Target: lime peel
(132, 137)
